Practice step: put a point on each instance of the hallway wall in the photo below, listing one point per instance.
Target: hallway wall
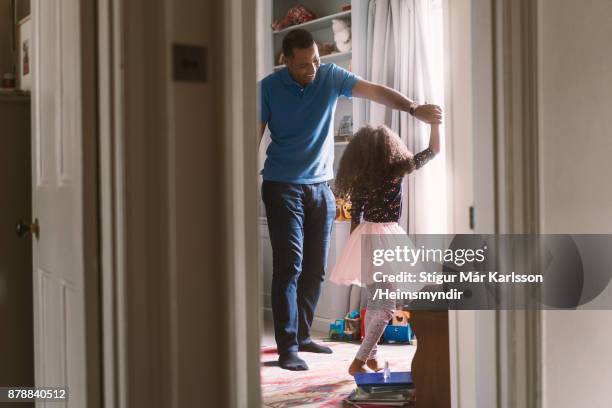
(197, 283)
(576, 126)
(176, 272)
(575, 87)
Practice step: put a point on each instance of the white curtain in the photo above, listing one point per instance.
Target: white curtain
(398, 43)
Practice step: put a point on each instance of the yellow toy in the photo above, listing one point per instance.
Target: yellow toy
(343, 209)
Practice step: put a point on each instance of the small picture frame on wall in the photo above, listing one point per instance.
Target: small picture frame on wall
(24, 43)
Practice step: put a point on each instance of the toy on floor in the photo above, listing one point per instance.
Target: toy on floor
(347, 329)
(336, 330)
(398, 330)
(397, 334)
(400, 318)
(352, 328)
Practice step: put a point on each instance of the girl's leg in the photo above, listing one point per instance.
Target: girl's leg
(378, 323)
(358, 366)
(372, 361)
(378, 314)
(372, 357)
(375, 347)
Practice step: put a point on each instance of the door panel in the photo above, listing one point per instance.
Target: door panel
(57, 197)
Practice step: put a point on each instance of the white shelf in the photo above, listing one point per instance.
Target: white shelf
(335, 57)
(316, 24)
(341, 143)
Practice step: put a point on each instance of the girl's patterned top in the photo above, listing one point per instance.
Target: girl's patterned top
(384, 204)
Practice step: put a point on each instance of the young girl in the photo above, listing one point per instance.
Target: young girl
(371, 173)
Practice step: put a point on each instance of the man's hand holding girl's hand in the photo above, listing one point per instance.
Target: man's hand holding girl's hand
(431, 114)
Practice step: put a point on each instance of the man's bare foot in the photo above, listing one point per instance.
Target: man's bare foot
(373, 364)
(357, 366)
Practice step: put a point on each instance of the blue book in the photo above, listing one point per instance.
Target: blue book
(397, 379)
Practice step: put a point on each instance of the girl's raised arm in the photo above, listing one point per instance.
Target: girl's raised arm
(434, 138)
(421, 158)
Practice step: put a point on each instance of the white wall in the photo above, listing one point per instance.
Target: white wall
(575, 105)
(575, 87)
(459, 114)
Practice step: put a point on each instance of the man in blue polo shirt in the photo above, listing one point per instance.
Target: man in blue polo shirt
(297, 105)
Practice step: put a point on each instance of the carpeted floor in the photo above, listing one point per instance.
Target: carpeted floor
(327, 382)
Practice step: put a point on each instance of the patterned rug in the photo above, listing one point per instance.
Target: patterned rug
(327, 382)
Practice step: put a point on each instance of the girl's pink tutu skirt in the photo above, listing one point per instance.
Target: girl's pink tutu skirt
(348, 268)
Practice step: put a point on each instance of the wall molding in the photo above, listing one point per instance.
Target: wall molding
(238, 70)
(517, 192)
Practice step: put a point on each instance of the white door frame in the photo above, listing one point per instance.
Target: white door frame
(517, 192)
(241, 159)
(506, 191)
(112, 225)
(134, 246)
(460, 184)
(91, 204)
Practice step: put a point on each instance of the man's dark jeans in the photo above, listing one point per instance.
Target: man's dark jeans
(300, 220)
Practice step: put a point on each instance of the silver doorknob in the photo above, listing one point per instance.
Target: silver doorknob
(23, 229)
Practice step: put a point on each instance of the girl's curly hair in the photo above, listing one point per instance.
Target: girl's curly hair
(373, 156)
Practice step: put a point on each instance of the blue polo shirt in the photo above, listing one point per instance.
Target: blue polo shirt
(300, 121)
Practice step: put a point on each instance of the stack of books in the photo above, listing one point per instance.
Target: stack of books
(374, 391)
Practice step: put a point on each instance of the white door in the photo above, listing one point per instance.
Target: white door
(58, 264)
